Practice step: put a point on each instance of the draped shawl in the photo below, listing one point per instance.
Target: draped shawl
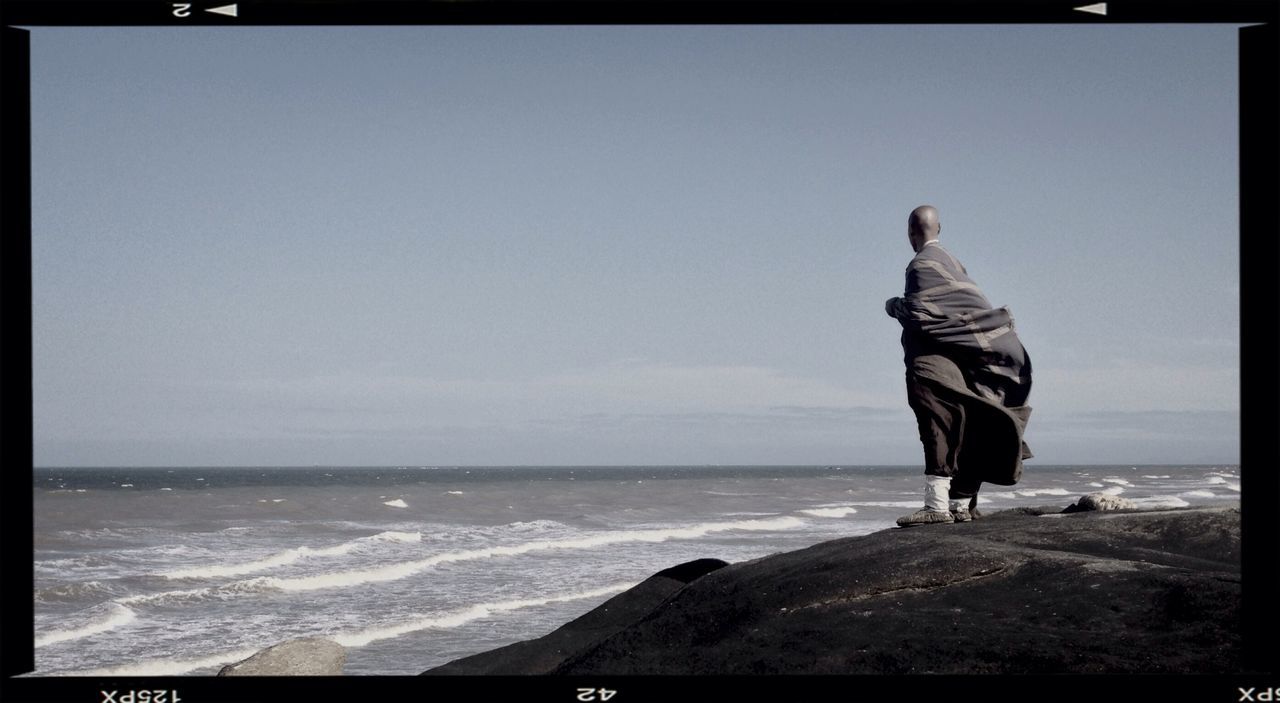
(965, 349)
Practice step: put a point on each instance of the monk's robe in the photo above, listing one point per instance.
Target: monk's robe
(968, 375)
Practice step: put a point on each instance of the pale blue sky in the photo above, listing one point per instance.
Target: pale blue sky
(619, 245)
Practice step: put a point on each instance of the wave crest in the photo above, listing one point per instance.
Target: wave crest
(114, 616)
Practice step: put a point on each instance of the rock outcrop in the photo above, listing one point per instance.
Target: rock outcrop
(1018, 591)
(311, 656)
(1100, 501)
(625, 609)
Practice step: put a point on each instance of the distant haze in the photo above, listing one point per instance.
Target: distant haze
(619, 245)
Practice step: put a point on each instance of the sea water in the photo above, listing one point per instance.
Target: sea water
(179, 571)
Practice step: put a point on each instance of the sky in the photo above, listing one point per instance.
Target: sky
(619, 245)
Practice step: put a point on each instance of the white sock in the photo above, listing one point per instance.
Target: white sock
(935, 492)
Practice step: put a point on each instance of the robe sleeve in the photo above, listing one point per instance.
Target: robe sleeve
(910, 309)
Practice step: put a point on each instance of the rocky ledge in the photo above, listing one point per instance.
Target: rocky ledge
(1030, 590)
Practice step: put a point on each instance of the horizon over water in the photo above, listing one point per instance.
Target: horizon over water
(155, 571)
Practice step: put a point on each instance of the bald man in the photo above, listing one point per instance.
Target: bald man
(968, 378)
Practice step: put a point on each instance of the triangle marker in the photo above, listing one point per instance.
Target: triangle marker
(231, 10)
(1097, 8)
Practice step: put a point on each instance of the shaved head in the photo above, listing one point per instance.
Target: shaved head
(923, 226)
(923, 218)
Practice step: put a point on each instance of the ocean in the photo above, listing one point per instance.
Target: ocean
(179, 571)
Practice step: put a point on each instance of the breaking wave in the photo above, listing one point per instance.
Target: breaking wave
(462, 616)
(289, 556)
(115, 616)
(837, 512)
(344, 579)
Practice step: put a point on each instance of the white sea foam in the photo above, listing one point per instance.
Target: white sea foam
(344, 579)
(148, 598)
(392, 536)
(126, 485)
(830, 512)
(520, 528)
(1113, 491)
(235, 589)
(1161, 502)
(111, 533)
(1157, 477)
(397, 503)
(281, 559)
(890, 503)
(393, 572)
(1118, 482)
(115, 616)
(1095, 484)
(165, 667)
(1218, 480)
(69, 591)
(1200, 494)
(59, 565)
(460, 617)
(289, 556)
(455, 493)
(1027, 493)
(166, 489)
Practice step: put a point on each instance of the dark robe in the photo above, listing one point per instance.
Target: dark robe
(968, 375)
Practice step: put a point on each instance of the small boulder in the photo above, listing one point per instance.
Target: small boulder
(1101, 501)
(310, 656)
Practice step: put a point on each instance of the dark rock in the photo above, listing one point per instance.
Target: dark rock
(311, 656)
(690, 570)
(1090, 592)
(544, 654)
